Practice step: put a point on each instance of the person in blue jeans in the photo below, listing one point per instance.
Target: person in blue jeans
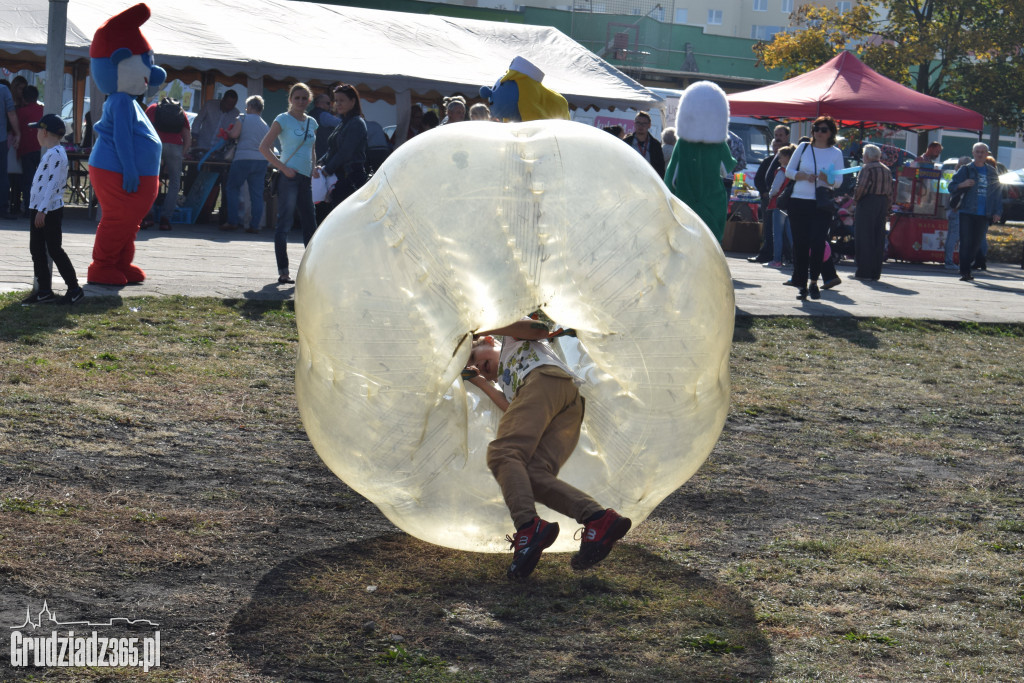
(295, 132)
(981, 258)
(780, 219)
(9, 131)
(953, 223)
(982, 204)
(248, 166)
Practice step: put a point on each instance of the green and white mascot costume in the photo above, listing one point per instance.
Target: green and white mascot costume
(694, 172)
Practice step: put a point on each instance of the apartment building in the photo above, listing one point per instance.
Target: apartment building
(753, 19)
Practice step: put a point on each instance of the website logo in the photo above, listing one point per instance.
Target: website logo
(77, 643)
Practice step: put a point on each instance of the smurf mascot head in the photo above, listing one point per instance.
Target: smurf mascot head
(519, 95)
(121, 57)
(703, 114)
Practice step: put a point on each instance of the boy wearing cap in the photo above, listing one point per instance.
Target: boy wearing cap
(46, 215)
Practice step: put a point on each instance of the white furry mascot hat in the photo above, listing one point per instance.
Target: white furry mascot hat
(703, 114)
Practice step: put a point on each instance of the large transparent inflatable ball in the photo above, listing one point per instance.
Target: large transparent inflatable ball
(471, 227)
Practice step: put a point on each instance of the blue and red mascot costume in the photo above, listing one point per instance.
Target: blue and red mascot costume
(124, 166)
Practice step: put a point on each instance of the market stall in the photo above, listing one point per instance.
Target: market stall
(393, 56)
(917, 227)
(853, 94)
(856, 95)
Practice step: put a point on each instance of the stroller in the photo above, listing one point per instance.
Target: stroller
(840, 231)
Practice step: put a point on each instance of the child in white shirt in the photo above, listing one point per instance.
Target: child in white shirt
(543, 414)
(46, 215)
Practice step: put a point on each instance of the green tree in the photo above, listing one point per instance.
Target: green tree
(991, 81)
(965, 51)
(993, 88)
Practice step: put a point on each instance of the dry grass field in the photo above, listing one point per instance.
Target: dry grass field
(862, 516)
(1006, 243)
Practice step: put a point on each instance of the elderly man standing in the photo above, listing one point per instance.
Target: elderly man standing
(982, 203)
(9, 135)
(874, 197)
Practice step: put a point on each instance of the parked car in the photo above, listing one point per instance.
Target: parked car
(67, 114)
(757, 143)
(1012, 183)
(1013, 195)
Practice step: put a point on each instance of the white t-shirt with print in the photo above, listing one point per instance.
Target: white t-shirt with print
(51, 177)
(519, 357)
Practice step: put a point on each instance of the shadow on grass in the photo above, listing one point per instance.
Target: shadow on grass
(395, 608)
(742, 332)
(23, 323)
(28, 324)
(271, 290)
(862, 331)
(255, 307)
(853, 330)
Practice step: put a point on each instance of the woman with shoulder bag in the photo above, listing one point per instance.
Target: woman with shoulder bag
(346, 148)
(248, 166)
(296, 134)
(808, 222)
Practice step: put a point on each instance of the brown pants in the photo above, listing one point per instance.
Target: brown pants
(536, 435)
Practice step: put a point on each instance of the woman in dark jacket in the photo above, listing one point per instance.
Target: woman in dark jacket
(346, 148)
(982, 202)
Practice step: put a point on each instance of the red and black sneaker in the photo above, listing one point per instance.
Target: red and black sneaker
(527, 546)
(598, 538)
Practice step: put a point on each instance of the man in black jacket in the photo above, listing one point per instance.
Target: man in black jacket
(646, 144)
(763, 183)
(325, 120)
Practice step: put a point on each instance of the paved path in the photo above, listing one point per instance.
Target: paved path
(202, 261)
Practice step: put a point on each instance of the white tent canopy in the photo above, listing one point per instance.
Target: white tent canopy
(386, 53)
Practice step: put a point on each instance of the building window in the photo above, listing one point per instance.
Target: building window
(760, 5)
(682, 15)
(714, 17)
(787, 6)
(764, 32)
(843, 7)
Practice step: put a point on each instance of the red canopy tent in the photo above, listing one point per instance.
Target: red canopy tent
(855, 95)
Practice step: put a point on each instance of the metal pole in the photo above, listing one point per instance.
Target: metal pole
(56, 34)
